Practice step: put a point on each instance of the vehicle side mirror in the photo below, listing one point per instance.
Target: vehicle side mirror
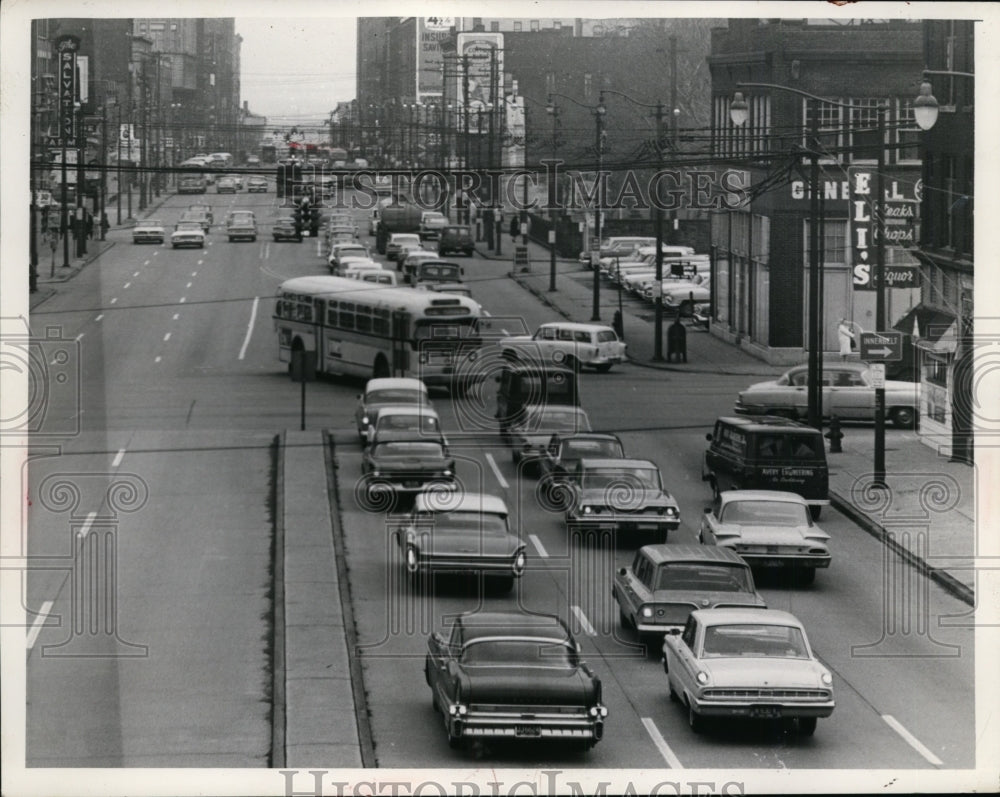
(709, 437)
(622, 571)
(674, 632)
(708, 510)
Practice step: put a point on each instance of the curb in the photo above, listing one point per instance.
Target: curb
(278, 670)
(946, 581)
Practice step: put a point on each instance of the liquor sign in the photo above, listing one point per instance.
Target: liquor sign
(67, 47)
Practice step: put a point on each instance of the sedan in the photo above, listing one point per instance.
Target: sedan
(848, 393)
(667, 582)
(405, 422)
(257, 185)
(206, 209)
(460, 532)
(529, 435)
(226, 185)
(513, 675)
(407, 466)
(752, 663)
(284, 229)
(148, 231)
(768, 528)
(188, 233)
(621, 494)
(388, 391)
(558, 459)
(201, 216)
(400, 242)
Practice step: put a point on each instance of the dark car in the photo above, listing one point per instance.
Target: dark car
(257, 185)
(433, 272)
(523, 384)
(460, 532)
(383, 392)
(407, 465)
(558, 459)
(456, 239)
(513, 675)
(284, 230)
(667, 582)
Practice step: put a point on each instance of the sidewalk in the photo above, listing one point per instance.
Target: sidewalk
(926, 514)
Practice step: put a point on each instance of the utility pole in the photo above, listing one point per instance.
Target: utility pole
(658, 317)
(104, 164)
(599, 116)
(81, 211)
(143, 136)
(465, 108)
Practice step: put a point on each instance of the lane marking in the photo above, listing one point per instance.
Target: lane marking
(183, 299)
(146, 263)
(200, 262)
(194, 273)
(158, 358)
(118, 458)
(912, 740)
(126, 285)
(588, 629)
(253, 317)
(36, 627)
(79, 336)
(82, 531)
(538, 546)
(661, 744)
(496, 471)
(136, 273)
(166, 337)
(176, 316)
(99, 317)
(113, 300)
(188, 285)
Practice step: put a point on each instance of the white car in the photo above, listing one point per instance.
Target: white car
(568, 343)
(188, 233)
(148, 231)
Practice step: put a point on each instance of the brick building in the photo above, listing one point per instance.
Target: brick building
(761, 259)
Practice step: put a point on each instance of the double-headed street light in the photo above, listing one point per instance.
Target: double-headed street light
(739, 113)
(553, 110)
(599, 111)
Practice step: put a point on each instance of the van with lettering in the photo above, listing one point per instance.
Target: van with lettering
(767, 453)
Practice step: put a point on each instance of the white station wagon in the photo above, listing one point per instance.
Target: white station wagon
(568, 343)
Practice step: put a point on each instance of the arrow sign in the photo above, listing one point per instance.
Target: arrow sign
(881, 346)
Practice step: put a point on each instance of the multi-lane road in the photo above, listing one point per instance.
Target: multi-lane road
(182, 398)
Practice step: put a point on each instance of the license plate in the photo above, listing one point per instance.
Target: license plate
(771, 549)
(527, 730)
(765, 712)
(769, 563)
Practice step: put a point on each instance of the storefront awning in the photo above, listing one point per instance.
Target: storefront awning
(932, 329)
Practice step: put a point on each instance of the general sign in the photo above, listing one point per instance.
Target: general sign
(881, 346)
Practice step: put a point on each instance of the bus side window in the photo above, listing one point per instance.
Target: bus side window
(331, 314)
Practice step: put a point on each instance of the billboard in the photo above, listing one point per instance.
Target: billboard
(430, 60)
(477, 52)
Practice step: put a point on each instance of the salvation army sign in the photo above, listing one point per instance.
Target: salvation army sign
(67, 47)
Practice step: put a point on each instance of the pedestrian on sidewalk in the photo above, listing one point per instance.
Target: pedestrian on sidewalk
(618, 326)
(846, 337)
(515, 227)
(104, 225)
(89, 225)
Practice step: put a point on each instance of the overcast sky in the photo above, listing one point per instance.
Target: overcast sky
(297, 70)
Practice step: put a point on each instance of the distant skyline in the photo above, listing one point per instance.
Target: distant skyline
(296, 70)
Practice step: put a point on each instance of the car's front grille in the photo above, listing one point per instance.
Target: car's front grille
(766, 694)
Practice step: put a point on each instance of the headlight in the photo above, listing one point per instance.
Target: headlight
(519, 562)
(447, 473)
(586, 510)
(376, 473)
(827, 679)
(671, 511)
(647, 611)
(365, 420)
(702, 677)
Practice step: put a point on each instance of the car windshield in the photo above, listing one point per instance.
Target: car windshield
(438, 271)
(408, 422)
(765, 513)
(790, 446)
(579, 449)
(408, 448)
(474, 522)
(712, 577)
(610, 478)
(151, 223)
(558, 420)
(187, 226)
(519, 653)
(754, 641)
(406, 239)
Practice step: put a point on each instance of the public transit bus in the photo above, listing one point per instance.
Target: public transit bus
(368, 330)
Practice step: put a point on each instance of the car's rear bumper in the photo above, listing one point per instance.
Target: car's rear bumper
(514, 725)
(780, 560)
(490, 566)
(623, 521)
(762, 707)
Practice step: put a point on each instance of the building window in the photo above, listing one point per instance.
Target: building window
(494, 27)
(834, 242)
(830, 126)
(863, 124)
(517, 26)
(598, 30)
(155, 26)
(907, 134)
(476, 22)
(557, 25)
(534, 24)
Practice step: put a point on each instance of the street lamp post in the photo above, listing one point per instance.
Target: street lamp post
(553, 111)
(739, 112)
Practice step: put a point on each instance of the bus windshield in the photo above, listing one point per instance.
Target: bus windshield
(453, 329)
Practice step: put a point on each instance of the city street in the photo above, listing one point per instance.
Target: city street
(183, 395)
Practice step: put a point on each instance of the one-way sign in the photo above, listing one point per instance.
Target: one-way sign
(881, 346)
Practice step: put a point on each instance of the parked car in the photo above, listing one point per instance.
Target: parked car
(513, 675)
(241, 224)
(388, 391)
(848, 393)
(407, 466)
(568, 343)
(206, 209)
(532, 431)
(559, 457)
(431, 224)
(683, 297)
(619, 245)
(769, 529)
(150, 231)
(199, 216)
(460, 532)
(621, 495)
(746, 663)
(187, 233)
(665, 583)
(257, 185)
(284, 229)
(400, 242)
(454, 238)
(225, 185)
